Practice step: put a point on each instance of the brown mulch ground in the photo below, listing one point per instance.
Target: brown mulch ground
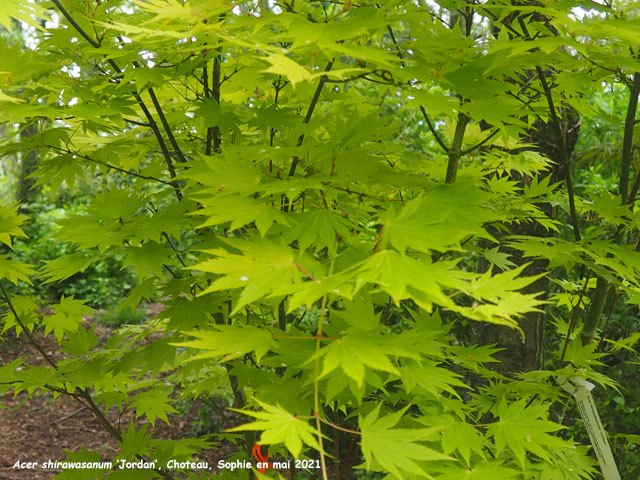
(41, 428)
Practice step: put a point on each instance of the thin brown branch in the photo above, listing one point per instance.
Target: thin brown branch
(214, 132)
(108, 165)
(75, 25)
(481, 143)
(307, 117)
(566, 166)
(436, 135)
(166, 126)
(26, 331)
(143, 107)
(627, 140)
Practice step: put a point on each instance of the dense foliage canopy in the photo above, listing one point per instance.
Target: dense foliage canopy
(400, 225)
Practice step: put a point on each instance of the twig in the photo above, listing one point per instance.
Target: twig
(67, 417)
(307, 117)
(82, 393)
(481, 143)
(26, 331)
(143, 107)
(433, 130)
(167, 127)
(574, 317)
(108, 165)
(627, 141)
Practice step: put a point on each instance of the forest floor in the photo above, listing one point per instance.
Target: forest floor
(41, 428)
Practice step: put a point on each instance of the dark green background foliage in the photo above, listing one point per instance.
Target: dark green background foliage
(383, 234)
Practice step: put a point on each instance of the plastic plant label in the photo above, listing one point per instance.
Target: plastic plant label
(581, 391)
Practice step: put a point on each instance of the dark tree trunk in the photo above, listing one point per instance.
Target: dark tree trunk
(25, 191)
(522, 355)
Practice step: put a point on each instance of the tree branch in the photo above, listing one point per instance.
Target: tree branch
(75, 25)
(566, 166)
(307, 117)
(455, 152)
(167, 127)
(145, 110)
(214, 132)
(481, 143)
(596, 306)
(26, 331)
(108, 165)
(627, 141)
(433, 130)
(82, 392)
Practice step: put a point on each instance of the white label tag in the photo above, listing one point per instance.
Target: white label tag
(581, 391)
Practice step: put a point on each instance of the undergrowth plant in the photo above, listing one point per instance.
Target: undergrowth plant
(351, 211)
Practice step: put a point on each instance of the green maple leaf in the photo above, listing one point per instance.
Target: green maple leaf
(497, 258)
(87, 232)
(457, 435)
(240, 212)
(154, 404)
(396, 449)
(472, 356)
(610, 208)
(144, 77)
(482, 471)
(62, 168)
(226, 174)
(279, 426)
(404, 277)
(10, 223)
(523, 428)
(503, 301)
(157, 356)
(319, 228)
(65, 266)
(492, 287)
(263, 269)
(149, 257)
(144, 289)
(13, 270)
(114, 205)
(283, 65)
(583, 356)
(355, 350)
(134, 442)
(437, 220)
(230, 342)
(16, 9)
(185, 314)
(80, 341)
(431, 377)
(67, 316)
(171, 219)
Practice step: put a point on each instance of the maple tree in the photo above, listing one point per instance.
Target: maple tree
(351, 211)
